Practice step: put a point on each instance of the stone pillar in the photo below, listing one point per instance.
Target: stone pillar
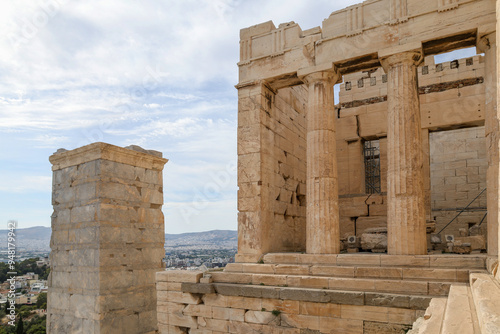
(487, 44)
(107, 240)
(255, 173)
(322, 219)
(498, 102)
(405, 174)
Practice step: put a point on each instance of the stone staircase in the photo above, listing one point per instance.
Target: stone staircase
(408, 275)
(469, 309)
(405, 280)
(377, 287)
(344, 293)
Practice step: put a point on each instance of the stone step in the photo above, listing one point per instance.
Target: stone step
(458, 316)
(432, 320)
(342, 297)
(486, 295)
(370, 259)
(420, 287)
(475, 321)
(396, 273)
(469, 308)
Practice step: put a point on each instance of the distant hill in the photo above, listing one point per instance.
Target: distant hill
(36, 233)
(32, 238)
(38, 238)
(217, 239)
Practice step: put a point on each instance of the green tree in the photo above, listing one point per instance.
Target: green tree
(36, 325)
(45, 272)
(37, 329)
(20, 326)
(42, 299)
(24, 308)
(4, 268)
(24, 314)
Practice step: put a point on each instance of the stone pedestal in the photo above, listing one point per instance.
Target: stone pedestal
(107, 240)
(322, 221)
(487, 44)
(405, 177)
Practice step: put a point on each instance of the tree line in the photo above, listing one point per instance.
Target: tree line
(24, 267)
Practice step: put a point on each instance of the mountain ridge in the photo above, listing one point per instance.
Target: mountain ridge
(38, 238)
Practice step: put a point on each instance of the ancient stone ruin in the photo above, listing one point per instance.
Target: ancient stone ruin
(107, 240)
(363, 215)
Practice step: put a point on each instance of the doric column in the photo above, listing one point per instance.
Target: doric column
(322, 219)
(405, 177)
(487, 44)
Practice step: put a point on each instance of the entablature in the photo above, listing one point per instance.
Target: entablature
(352, 38)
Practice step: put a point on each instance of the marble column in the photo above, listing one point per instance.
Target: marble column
(487, 44)
(322, 214)
(405, 173)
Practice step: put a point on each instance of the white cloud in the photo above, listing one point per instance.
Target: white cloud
(13, 182)
(178, 96)
(159, 74)
(199, 180)
(89, 59)
(49, 141)
(200, 216)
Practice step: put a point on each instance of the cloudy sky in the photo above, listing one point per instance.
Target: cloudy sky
(159, 74)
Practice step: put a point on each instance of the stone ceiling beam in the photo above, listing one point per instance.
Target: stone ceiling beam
(351, 38)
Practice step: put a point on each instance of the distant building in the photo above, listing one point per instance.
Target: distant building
(39, 286)
(43, 261)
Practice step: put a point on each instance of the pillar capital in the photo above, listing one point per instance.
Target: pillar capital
(255, 84)
(485, 42)
(329, 76)
(313, 74)
(248, 84)
(412, 57)
(132, 155)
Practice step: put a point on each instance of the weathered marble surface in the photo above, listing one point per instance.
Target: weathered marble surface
(107, 240)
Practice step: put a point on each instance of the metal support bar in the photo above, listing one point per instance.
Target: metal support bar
(451, 221)
(482, 219)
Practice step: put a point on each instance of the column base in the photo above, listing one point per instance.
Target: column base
(247, 258)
